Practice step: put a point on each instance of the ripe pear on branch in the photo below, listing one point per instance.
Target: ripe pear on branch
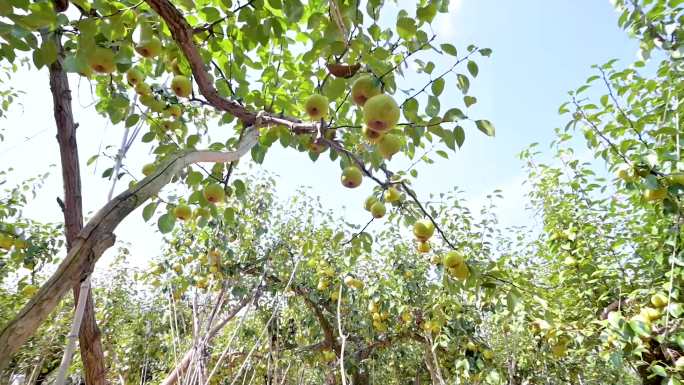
(364, 88)
(351, 177)
(381, 113)
(181, 86)
(317, 106)
(101, 60)
(149, 48)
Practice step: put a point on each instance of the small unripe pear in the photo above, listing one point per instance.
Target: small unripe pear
(423, 229)
(148, 169)
(372, 136)
(659, 300)
(181, 86)
(381, 113)
(370, 201)
(102, 60)
(149, 48)
(317, 106)
(29, 290)
(134, 76)
(182, 212)
(157, 106)
(424, 247)
(348, 280)
(378, 210)
(651, 313)
(317, 147)
(676, 179)
(364, 88)
(169, 125)
(461, 272)
(453, 259)
(655, 195)
(214, 193)
(392, 195)
(351, 177)
(175, 111)
(389, 145)
(143, 89)
(625, 173)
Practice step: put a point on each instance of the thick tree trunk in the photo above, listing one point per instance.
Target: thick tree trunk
(89, 333)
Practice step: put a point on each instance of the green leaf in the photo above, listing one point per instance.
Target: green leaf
(469, 100)
(194, 178)
(149, 210)
(229, 215)
(472, 68)
(463, 83)
(432, 108)
(427, 14)
(166, 222)
(454, 115)
(449, 49)
(485, 126)
(406, 27)
(132, 119)
(293, 10)
(459, 134)
(438, 87)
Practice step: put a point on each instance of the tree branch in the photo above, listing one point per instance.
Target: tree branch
(183, 33)
(96, 237)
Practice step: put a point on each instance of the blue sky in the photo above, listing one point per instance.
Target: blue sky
(541, 48)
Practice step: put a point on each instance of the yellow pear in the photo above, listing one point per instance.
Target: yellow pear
(652, 195)
(378, 210)
(392, 195)
(381, 113)
(364, 88)
(143, 89)
(461, 272)
(389, 145)
(351, 177)
(317, 106)
(149, 47)
(453, 259)
(370, 201)
(102, 60)
(423, 229)
(214, 193)
(134, 76)
(181, 86)
(29, 290)
(148, 169)
(424, 247)
(659, 300)
(182, 212)
(175, 111)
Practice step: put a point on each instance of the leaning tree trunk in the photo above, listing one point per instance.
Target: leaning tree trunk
(89, 333)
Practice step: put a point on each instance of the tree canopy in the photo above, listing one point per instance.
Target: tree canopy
(248, 286)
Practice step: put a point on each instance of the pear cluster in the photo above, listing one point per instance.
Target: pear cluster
(377, 206)
(633, 173)
(423, 230)
(455, 264)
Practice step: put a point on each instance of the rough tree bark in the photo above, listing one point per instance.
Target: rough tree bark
(89, 333)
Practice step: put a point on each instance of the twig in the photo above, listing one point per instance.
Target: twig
(359, 233)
